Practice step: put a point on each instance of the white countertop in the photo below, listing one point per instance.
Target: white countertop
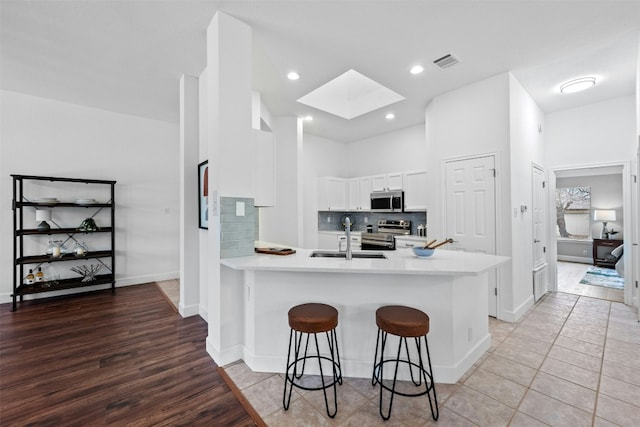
(443, 262)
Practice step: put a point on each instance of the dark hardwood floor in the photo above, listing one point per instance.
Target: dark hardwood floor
(99, 359)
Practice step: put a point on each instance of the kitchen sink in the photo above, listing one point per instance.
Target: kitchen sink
(336, 254)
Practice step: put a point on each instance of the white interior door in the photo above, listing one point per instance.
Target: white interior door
(470, 211)
(539, 232)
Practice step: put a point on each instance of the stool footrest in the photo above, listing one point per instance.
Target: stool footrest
(431, 386)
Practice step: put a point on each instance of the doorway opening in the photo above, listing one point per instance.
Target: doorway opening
(586, 262)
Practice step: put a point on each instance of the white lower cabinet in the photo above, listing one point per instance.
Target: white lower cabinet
(336, 240)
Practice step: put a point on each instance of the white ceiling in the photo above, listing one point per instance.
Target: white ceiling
(127, 56)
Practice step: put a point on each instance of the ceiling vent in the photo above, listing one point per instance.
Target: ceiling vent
(449, 60)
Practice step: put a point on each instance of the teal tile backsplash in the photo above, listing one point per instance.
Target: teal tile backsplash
(238, 232)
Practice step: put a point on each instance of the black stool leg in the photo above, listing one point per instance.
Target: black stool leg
(286, 400)
(324, 386)
(430, 386)
(395, 376)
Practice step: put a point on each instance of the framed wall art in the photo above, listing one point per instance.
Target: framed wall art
(203, 195)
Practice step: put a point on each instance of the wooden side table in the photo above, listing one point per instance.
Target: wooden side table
(601, 249)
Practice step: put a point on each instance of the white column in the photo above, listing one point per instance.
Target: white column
(229, 144)
(189, 247)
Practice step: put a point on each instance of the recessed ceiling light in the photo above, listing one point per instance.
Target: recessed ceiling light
(390, 116)
(293, 75)
(308, 118)
(576, 85)
(416, 69)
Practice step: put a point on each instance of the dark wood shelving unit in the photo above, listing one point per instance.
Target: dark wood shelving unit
(22, 261)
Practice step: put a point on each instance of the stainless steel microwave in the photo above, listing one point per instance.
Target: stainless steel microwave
(387, 201)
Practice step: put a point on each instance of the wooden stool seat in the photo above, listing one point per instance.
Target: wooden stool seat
(312, 318)
(402, 321)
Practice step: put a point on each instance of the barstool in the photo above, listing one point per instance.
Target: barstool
(304, 320)
(404, 322)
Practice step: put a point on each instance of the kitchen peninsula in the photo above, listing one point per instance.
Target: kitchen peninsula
(450, 286)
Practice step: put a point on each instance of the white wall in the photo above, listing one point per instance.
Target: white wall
(526, 125)
(399, 151)
(597, 133)
(472, 120)
(46, 137)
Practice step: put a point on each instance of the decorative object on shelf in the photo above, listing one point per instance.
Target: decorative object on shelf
(42, 216)
(604, 215)
(47, 200)
(80, 249)
(39, 275)
(55, 248)
(86, 201)
(87, 271)
(203, 195)
(30, 278)
(88, 225)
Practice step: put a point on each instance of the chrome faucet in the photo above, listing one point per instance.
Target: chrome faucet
(347, 228)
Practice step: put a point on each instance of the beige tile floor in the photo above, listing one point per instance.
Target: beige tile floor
(569, 276)
(570, 361)
(171, 289)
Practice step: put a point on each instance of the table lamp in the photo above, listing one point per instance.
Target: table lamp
(604, 215)
(42, 216)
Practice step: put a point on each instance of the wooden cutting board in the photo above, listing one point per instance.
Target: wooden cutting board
(275, 251)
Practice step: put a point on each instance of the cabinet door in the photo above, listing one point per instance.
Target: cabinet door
(379, 183)
(337, 194)
(264, 170)
(332, 194)
(394, 181)
(353, 191)
(415, 190)
(364, 185)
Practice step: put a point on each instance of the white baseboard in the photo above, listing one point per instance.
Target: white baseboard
(226, 356)
(120, 282)
(569, 258)
(515, 315)
(203, 312)
(189, 310)
(448, 374)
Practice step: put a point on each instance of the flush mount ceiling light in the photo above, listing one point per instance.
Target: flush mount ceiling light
(576, 85)
(350, 95)
(308, 118)
(416, 69)
(292, 75)
(390, 116)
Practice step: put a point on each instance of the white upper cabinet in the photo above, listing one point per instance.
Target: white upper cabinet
(415, 191)
(364, 185)
(264, 171)
(332, 194)
(359, 193)
(386, 182)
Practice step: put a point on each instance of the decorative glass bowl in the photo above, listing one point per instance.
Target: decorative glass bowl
(422, 252)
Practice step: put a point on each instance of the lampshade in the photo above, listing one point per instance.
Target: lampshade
(43, 215)
(604, 215)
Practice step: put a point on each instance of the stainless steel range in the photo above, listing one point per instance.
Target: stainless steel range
(384, 239)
